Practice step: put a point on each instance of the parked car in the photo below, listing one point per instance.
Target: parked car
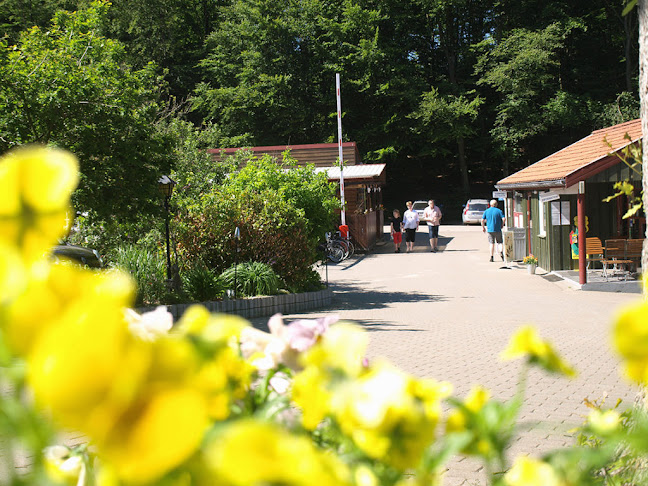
(473, 211)
(77, 254)
(419, 207)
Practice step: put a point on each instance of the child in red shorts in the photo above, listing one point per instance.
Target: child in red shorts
(397, 229)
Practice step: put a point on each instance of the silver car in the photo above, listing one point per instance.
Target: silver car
(419, 207)
(473, 211)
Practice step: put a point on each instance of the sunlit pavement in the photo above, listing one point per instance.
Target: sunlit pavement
(448, 315)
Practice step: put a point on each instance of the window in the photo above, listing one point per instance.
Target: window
(541, 214)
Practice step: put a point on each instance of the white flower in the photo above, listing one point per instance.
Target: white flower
(284, 343)
(64, 466)
(150, 325)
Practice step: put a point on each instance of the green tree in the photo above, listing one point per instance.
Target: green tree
(450, 118)
(525, 69)
(170, 33)
(69, 86)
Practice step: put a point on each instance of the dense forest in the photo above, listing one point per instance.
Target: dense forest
(451, 94)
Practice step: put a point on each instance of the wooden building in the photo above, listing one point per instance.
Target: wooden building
(363, 183)
(542, 200)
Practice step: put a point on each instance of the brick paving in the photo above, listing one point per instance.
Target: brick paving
(448, 315)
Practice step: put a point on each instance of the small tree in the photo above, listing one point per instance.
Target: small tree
(69, 86)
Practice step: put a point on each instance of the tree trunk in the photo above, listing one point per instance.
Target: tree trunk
(643, 96)
(463, 166)
(628, 27)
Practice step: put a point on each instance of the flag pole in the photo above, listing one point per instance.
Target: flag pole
(339, 120)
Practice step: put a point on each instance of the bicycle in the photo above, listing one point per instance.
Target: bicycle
(333, 249)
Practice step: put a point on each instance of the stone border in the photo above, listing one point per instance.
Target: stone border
(264, 306)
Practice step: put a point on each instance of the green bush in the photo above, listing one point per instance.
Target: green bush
(309, 192)
(252, 278)
(148, 269)
(272, 231)
(201, 283)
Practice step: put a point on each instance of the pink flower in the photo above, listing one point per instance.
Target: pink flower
(302, 334)
(284, 343)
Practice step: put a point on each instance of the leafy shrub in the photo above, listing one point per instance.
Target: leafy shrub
(272, 231)
(309, 192)
(201, 283)
(252, 278)
(148, 269)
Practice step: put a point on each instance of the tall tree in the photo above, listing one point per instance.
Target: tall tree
(171, 33)
(526, 70)
(69, 86)
(450, 118)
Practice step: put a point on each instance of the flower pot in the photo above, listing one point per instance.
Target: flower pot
(531, 268)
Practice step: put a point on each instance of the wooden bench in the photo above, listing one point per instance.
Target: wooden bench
(615, 255)
(634, 248)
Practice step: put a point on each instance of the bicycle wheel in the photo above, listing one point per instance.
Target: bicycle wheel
(335, 254)
(351, 248)
(345, 247)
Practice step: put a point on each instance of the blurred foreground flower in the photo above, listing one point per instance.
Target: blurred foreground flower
(150, 325)
(527, 342)
(630, 338)
(252, 453)
(531, 472)
(284, 343)
(64, 466)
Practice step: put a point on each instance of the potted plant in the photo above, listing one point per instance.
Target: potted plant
(531, 262)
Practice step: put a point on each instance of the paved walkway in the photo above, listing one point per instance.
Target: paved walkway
(448, 315)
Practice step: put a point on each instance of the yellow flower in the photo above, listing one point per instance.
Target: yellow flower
(64, 466)
(630, 336)
(35, 188)
(13, 274)
(388, 415)
(310, 392)
(215, 328)
(364, 476)
(341, 348)
(604, 422)
(163, 432)
(526, 342)
(251, 453)
(475, 401)
(531, 472)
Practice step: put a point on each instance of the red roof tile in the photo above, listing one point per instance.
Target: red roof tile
(587, 151)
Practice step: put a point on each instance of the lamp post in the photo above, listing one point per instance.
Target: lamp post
(166, 185)
(237, 238)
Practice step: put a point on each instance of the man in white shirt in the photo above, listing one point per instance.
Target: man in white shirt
(432, 215)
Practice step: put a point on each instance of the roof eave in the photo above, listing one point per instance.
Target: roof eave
(514, 186)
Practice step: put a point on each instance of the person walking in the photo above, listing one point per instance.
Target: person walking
(410, 225)
(432, 215)
(492, 221)
(397, 229)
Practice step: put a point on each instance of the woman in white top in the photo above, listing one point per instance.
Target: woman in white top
(410, 224)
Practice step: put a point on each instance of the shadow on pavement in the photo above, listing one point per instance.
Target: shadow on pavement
(372, 325)
(352, 297)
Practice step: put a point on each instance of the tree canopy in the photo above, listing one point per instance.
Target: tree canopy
(68, 85)
(458, 91)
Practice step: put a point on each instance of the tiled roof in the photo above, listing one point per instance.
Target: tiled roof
(364, 171)
(579, 155)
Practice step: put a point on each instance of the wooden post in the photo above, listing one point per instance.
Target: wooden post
(582, 231)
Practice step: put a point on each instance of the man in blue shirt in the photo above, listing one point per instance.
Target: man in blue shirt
(492, 221)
